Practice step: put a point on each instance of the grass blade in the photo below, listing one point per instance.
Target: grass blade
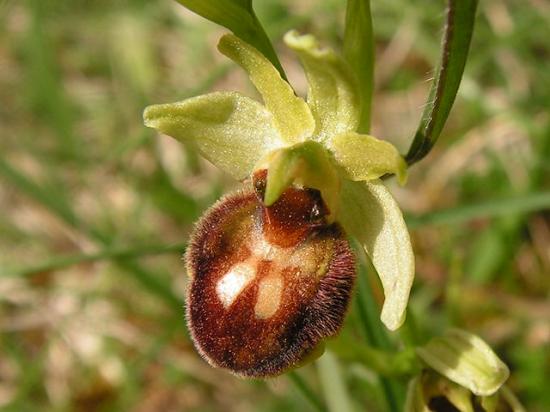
(334, 385)
(58, 208)
(491, 208)
(61, 262)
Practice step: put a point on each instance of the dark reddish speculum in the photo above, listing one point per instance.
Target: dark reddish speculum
(267, 284)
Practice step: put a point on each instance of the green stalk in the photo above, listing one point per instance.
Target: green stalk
(359, 53)
(376, 336)
(391, 364)
(334, 384)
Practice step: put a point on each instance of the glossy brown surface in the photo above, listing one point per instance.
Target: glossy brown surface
(268, 284)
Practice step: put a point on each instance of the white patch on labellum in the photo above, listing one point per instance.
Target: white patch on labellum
(269, 296)
(233, 282)
(270, 288)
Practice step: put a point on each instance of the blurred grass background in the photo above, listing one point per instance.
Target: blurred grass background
(96, 209)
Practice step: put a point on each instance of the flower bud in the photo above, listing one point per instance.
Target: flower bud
(267, 283)
(467, 360)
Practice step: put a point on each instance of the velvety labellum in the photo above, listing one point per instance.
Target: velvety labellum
(267, 284)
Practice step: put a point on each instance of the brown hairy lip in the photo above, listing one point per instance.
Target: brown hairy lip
(268, 284)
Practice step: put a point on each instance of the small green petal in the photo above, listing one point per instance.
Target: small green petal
(467, 360)
(307, 164)
(291, 114)
(365, 157)
(230, 130)
(332, 95)
(370, 214)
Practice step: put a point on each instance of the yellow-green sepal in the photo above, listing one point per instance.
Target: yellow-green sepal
(306, 164)
(369, 212)
(230, 130)
(364, 157)
(466, 359)
(291, 114)
(333, 94)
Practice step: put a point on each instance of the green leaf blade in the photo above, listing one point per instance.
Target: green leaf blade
(459, 28)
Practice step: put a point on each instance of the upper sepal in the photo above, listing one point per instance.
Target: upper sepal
(332, 94)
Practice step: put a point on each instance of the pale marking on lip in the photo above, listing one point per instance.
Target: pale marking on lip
(269, 296)
(233, 282)
(270, 288)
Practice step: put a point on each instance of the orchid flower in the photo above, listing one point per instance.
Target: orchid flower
(285, 145)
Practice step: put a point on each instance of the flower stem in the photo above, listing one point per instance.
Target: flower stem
(386, 363)
(376, 336)
(359, 53)
(334, 385)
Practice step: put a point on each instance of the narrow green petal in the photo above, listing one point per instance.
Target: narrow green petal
(364, 157)
(465, 359)
(308, 164)
(230, 130)
(291, 114)
(332, 95)
(369, 213)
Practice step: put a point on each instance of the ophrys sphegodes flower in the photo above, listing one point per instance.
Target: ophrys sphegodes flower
(309, 179)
